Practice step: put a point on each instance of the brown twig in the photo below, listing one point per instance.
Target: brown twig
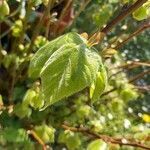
(143, 88)
(119, 18)
(39, 25)
(37, 138)
(51, 2)
(25, 24)
(139, 76)
(128, 66)
(12, 85)
(108, 92)
(137, 32)
(105, 138)
(82, 7)
(63, 13)
(0, 40)
(134, 64)
(122, 15)
(125, 66)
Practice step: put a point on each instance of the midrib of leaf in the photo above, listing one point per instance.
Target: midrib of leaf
(67, 68)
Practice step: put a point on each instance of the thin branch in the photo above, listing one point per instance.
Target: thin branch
(108, 92)
(5, 33)
(37, 138)
(125, 66)
(0, 40)
(133, 63)
(143, 88)
(14, 12)
(39, 25)
(137, 77)
(128, 66)
(119, 18)
(48, 16)
(64, 10)
(116, 73)
(63, 13)
(82, 7)
(122, 15)
(106, 138)
(25, 24)
(137, 32)
(12, 84)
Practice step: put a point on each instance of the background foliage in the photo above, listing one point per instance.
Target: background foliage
(116, 119)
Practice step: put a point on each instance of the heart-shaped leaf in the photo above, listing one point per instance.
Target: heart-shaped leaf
(66, 66)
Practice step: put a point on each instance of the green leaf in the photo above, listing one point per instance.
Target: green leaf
(98, 86)
(44, 53)
(66, 66)
(129, 94)
(70, 139)
(45, 132)
(141, 13)
(1, 100)
(14, 134)
(4, 9)
(22, 110)
(97, 145)
(102, 16)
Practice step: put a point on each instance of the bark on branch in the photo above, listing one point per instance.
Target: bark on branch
(138, 76)
(122, 15)
(137, 32)
(107, 139)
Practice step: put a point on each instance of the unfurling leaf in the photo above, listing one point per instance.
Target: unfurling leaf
(85, 35)
(98, 86)
(46, 133)
(109, 52)
(66, 66)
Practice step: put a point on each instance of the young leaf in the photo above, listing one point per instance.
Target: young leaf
(44, 53)
(98, 86)
(45, 132)
(66, 66)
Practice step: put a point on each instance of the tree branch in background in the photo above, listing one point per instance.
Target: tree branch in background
(107, 139)
(49, 7)
(137, 77)
(137, 32)
(132, 64)
(118, 19)
(122, 15)
(39, 25)
(128, 66)
(63, 13)
(0, 41)
(143, 88)
(37, 138)
(82, 7)
(64, 10)
(25, 24)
